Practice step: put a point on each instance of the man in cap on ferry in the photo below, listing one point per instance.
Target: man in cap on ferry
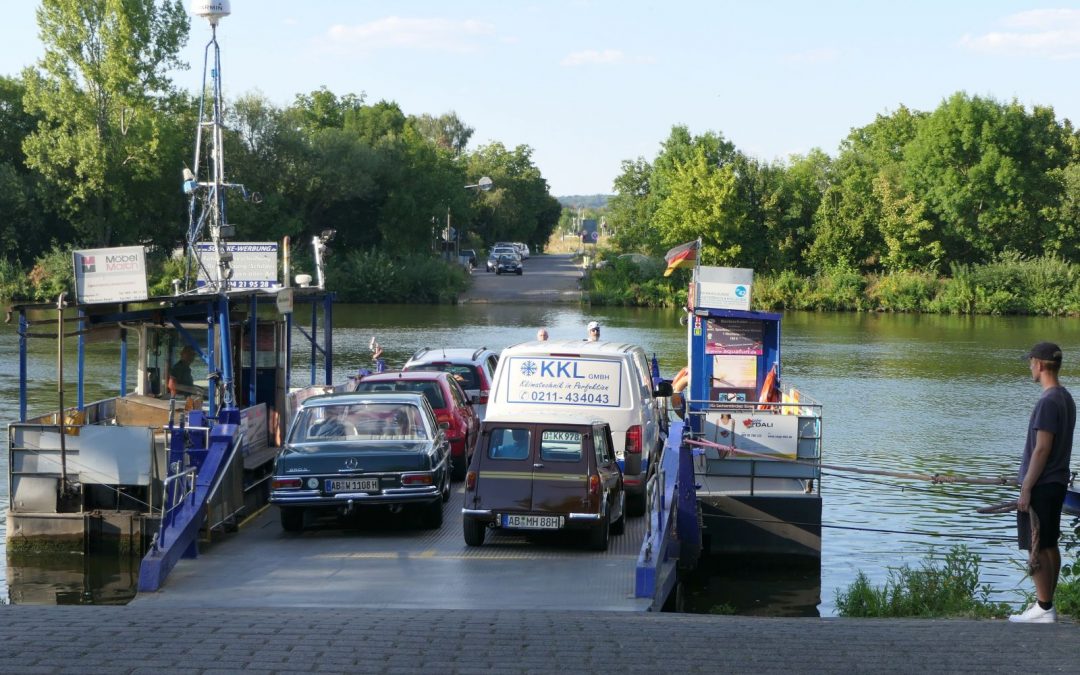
(1044, 477)
(594, 331)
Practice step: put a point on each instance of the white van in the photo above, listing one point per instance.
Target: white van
(607, 380)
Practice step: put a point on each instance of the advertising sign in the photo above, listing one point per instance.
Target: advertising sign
(110, 275)
(724, 287)
(765, 434)
(254, 264)
(564, 381)
(740, 337)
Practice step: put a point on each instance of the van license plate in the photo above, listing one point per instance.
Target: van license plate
(352, 484)
(532, 522)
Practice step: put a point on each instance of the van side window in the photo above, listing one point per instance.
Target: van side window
(507, 443)
(602, 446)
(560, 446)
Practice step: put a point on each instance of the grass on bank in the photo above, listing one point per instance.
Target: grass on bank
(947, 589)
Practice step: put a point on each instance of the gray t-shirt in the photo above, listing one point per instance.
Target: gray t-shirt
(1055, 412)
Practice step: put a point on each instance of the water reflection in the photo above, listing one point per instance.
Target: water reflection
(71, 579)
(753, 586)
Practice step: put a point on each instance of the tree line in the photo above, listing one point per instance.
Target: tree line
(94, 139)
(972, 182)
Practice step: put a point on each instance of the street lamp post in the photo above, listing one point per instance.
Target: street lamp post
(483, 185)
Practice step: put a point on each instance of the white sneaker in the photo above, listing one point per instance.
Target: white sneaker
(1035, 614)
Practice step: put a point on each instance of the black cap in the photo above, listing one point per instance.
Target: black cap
(1044, 351)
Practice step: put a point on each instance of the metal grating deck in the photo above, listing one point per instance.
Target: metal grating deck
(395, 564)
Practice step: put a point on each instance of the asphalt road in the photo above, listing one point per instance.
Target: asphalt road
(547, 279)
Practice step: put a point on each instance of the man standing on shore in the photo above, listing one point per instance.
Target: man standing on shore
(1044, 476)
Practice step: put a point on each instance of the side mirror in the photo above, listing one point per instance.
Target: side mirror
(444, 425)
(663, 389)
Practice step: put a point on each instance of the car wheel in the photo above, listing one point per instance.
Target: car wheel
(446, 490)
(292, 519)
(619, 526)
(598, 537)
(460, 465)
(474, 531)
(635, 504)
(432, 517)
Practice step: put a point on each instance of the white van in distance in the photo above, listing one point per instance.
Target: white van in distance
(607, 380)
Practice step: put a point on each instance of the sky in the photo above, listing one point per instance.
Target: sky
(588, 84)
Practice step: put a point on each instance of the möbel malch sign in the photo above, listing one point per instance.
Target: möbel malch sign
(110, 274)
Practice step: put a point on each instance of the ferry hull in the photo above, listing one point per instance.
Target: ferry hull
(122, 531)
(762, 524)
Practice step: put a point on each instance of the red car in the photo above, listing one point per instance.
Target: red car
(444, 393)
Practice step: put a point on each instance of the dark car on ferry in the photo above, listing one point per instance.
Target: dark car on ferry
(558, 474)
(449, 401)
(347, 452)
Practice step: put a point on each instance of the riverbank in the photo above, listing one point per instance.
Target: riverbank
(1012, 285)
(342, 639)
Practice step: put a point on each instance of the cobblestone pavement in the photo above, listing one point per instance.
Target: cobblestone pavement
(98, 639)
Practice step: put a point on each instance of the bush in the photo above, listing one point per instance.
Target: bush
(376, 277)
(950, 590)
(902, 291)
(624, 281)
(51, 275)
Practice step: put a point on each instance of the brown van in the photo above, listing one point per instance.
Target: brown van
(552, 475)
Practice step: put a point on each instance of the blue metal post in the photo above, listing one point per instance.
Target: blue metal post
(24, 326)
(211, 360)
(82, 359)
(314, 337)
(226, 352)
(252, 329)
(288, 352)
(328, 341)
(123, 361)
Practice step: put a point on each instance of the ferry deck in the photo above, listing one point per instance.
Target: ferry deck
(392, 563)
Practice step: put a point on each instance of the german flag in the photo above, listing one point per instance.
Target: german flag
(683, 255)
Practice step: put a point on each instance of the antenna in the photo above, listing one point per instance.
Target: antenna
(206, 185)
(211, 10)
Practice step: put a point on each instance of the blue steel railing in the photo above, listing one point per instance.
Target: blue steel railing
(672, 537)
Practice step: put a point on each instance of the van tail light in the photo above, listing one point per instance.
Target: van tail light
(285, 484)
(484, 396)
(594, 484)
(470, 480)
(633, 440)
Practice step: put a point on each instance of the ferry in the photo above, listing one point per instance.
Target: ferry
(756, 440)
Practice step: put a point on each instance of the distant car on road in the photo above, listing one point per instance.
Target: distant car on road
(497, 251)
(509, 264)
(523, 249)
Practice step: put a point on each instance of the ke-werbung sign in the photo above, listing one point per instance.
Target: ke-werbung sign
(110, 275)
(254, 263)
(566, 381)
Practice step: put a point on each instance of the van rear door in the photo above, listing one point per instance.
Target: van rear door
(505, 477)
(561, 470)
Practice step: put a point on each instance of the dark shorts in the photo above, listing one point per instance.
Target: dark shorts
(1046, 501)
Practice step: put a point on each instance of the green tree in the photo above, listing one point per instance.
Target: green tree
(447, 131)
(99, 89)
(988, 173)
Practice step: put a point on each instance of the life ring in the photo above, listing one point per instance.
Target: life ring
(678, 384)
(768, 393)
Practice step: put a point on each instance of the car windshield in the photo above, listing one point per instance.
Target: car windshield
(359, 422)
(431, 390)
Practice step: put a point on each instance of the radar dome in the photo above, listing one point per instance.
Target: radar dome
(211, 10)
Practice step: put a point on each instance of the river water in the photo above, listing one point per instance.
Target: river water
(923, 394)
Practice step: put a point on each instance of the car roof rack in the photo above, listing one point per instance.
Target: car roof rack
(420, 352)
(478, 352)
